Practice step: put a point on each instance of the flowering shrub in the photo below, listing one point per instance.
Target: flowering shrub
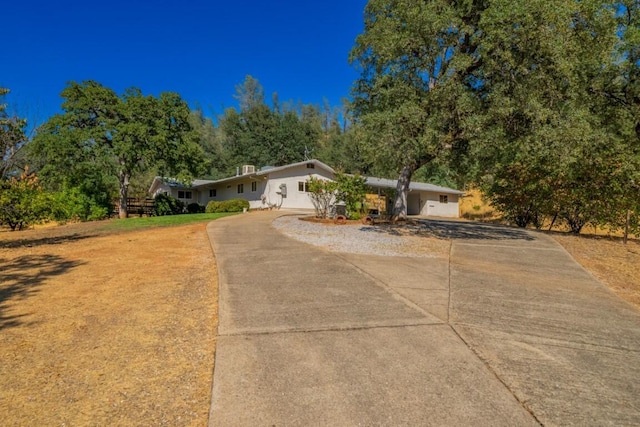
(322, 194)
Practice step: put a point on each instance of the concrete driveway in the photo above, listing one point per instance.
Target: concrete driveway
(508, 330)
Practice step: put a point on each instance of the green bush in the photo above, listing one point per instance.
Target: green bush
(23, 202)
(71, 204)
(352, 190)
(194, 208)
(233, 205)
(164, 204)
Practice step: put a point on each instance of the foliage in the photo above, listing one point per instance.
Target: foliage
(12, 137)
(22, 201)
(194, 208)
(261, 135)
(120, 136)
(233, 205)
(543, 140)
(536, 100)
(322, 194)
(352, 190)
(72, 204)
(164, 204)
(412, 97)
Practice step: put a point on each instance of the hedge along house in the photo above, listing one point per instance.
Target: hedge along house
(285, 187)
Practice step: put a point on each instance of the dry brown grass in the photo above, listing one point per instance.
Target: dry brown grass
(106, 329)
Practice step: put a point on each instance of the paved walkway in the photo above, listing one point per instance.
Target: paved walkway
(509, 331)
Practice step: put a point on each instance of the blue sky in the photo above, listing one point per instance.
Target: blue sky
(200, 49)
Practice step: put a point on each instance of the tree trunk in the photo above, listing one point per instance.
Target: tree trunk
(626, 227)
(402, 191)
(123, 177)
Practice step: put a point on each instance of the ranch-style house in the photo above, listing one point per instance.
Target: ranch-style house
(285, 187)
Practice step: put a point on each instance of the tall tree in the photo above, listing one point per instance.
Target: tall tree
(417, 61)
(540, 131)
(121, 135)
(12, 137)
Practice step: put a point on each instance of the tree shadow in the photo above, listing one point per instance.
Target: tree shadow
(443, 229)
(21, 277)
(53, 240)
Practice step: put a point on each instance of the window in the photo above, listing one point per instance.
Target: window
(311, 166)
(240, 188)
(444, 199)
(213, 193)
(303, 187)
(254, 186)
(184, 194)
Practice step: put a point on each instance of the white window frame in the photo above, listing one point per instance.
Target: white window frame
(304, 185)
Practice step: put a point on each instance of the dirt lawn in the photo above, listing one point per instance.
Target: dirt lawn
(106, 329)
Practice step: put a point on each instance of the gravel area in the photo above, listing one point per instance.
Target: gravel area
(361, 239)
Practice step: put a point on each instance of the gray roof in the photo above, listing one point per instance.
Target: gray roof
(418, 186)
(318, 163)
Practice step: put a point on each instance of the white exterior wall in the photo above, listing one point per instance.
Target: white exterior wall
(291, 177)
(433, 207)
(228, 191)
(269, 185)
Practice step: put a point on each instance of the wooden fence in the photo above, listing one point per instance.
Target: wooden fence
(136, 206)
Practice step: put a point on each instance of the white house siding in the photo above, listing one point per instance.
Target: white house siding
(433, 207)
(291, 177)
(228, 191)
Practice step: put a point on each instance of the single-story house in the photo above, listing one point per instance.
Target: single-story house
(285, 187)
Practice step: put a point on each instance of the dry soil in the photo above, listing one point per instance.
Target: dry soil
(99, 329)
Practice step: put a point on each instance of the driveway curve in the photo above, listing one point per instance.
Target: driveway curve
(506, 330)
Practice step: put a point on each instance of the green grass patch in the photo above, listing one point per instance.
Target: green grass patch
(161, 221)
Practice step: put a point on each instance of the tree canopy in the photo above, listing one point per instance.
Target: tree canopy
(12, 137)
(537, 101)
(417, 61)
(116, 137)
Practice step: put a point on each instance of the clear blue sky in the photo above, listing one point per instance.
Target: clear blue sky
(200, 49)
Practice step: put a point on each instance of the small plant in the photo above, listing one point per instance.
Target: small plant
(194, 208)
(23, 202)
(164, 204)
(233, 205)
(352, 190)
(322, 194)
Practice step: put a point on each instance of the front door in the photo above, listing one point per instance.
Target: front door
(413, 204)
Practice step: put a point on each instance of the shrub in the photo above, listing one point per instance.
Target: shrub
(352, 190)
(195, 208)
(322, 194)
(233, 205)
(23, 202)
(71, 204)
(164, 204)
(237, 205)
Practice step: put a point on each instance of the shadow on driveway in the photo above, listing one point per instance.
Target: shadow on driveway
(443, 229)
